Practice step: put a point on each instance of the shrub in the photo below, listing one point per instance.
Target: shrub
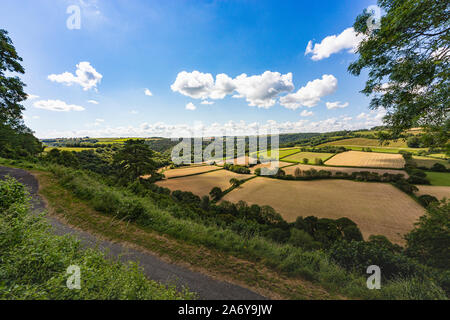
(438, 167)
(425, 200)
(405, 186)
(11, 192)
(429, 241)
(302, 239)
(34, 263)
(216, 193)
(358, 255)
(418, 180)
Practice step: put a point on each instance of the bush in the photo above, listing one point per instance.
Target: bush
(302, 239)
(438, 167)
(34, 262)
(236, 168)
(216, 193)
(405, 186)
(425, 200)
(429, 241)
(418, 180)
(358, 255)
(11, 193)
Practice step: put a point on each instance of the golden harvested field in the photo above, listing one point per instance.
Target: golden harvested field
(203, 183)
(436, 191)
(367, 159)
(377, 208)
(281, 164)
(184, 171)
(241, 161)
(349, 170)
(311, 156)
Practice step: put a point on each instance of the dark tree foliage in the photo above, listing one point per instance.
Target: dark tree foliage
(16, 140)
(429, 241)
(408, 63)
(135, 159)
(216, 193)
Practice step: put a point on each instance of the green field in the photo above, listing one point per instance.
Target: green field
(311, 156)
(429, 162)
(282, 153)
(47, 149)
(357, 144)
(439, 178)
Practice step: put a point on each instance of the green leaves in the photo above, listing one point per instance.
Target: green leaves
(16, 140)
(135, 159)
(408, 63)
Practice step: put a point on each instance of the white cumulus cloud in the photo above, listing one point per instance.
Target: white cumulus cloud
(310, 95)
(207, 102)
(57, 105)
(85, 75)
(258, 90)
(262, 90)
(190, 106)
(93, 101)
(147, 92)
(336, 105)
(161, 129)
(306, 113)
(347, 40)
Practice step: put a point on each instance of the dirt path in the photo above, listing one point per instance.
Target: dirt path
(154, 268)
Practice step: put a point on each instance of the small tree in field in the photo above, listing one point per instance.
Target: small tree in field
(235, 182)
(216, 193)
(298, 172)
(318, 161)
(305, 160)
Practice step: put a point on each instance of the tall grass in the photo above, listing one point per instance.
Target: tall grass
(34, 261)
(315, 266)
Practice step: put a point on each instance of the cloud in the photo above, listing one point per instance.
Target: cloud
(259, 90)
(32, 96)
(207, 102)
(310, 95)
(57, 105)
(86, 76)
(134, 112)
(347, 40)
(336, 105)
(161, 129)
(262, 90)
(93, 101)
(190, 106)
(147, 92)
(306, 113)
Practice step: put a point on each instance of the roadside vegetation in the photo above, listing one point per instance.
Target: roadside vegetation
(34, 261)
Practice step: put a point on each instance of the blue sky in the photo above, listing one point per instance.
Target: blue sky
(176, 49)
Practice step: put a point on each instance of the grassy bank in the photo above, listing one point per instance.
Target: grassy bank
(288, 262)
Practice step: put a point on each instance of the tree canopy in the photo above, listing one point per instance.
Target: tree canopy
(16, 140)
(408, 63)
(135, 159)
